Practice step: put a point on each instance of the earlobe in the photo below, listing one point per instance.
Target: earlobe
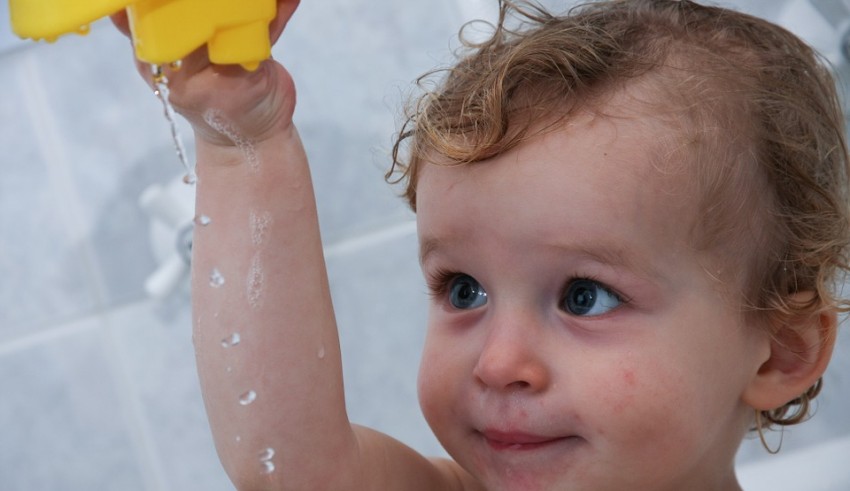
(800, 351)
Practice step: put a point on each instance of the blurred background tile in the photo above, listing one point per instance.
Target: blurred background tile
(45, 279)
(381, 304)
(63, 418)
(155, 343)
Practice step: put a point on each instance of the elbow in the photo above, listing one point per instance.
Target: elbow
(259, 479)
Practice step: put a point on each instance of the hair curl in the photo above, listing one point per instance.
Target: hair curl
(748, 91)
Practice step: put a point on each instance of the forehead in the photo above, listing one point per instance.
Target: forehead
(620, 163)
(592, 176)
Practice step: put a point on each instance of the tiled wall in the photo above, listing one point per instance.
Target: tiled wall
(98, 389)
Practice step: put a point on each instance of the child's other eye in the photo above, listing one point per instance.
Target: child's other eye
(588, 298)
(466, 293)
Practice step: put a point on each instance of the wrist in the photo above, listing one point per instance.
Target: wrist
(229, 148)
(241, 110)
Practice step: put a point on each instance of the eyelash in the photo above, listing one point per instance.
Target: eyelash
(591, 278)
(439, 280)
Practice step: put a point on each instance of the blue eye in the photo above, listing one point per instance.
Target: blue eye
(589, 298)
(466, 293)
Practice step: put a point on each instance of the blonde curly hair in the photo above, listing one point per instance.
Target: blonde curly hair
(753, 108)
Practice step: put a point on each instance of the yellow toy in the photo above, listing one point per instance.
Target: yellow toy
(164, 31)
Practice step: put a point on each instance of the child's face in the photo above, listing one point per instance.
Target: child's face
(604, 355)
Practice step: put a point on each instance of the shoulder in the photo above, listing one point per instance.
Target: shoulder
(387, 463)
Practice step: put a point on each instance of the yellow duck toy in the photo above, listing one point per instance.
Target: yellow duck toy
(164, 31)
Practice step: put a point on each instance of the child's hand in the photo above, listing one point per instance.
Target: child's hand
(253, 105)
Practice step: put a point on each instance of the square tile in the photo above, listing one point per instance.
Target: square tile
(46, 278)
(353, 63)
(380, 301)
(155, 341)
(62, 421)
(115, 142)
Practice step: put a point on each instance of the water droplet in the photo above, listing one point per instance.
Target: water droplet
(247, 398)
(267, 454)
(266, 460)
(231, 340)
(203, 220)
(321, 353)
(84, 29)
(217, 122)
(176, 65)
(190, 178)
(228, 369)
(158, 77)
(238, 438)
(216, 279)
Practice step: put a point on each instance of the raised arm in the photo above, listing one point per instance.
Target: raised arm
(264, 330)
(265, 336)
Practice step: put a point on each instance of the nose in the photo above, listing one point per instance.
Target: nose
(512, 358)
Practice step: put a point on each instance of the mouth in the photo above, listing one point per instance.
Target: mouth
(519, 441)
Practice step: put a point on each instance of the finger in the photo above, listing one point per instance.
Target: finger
(285, 9)
(121, 22)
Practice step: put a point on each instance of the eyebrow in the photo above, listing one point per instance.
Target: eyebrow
(427, 247)
(608, 254)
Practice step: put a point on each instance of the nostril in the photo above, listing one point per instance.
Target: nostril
(519, 384)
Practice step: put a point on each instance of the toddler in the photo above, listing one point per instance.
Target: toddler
(632, 220)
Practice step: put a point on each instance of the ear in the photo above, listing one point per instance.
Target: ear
(800, 350)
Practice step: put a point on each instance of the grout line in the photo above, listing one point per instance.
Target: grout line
(60, 180)
(44, 333)
(55, 155)
(44, 337)
(50, 146)
(133, 408)
(356, 244)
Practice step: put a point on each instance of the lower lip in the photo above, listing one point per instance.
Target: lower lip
(507, 446)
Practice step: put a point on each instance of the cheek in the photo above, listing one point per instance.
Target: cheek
(435, 383)
(645, 402)
(621, 398)
(426, 387)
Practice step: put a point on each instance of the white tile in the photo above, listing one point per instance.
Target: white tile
(821, 467)
(353, 62)
(115, 142)
(61, 423)
(381, 305)
(155, 344)
(45, 278)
